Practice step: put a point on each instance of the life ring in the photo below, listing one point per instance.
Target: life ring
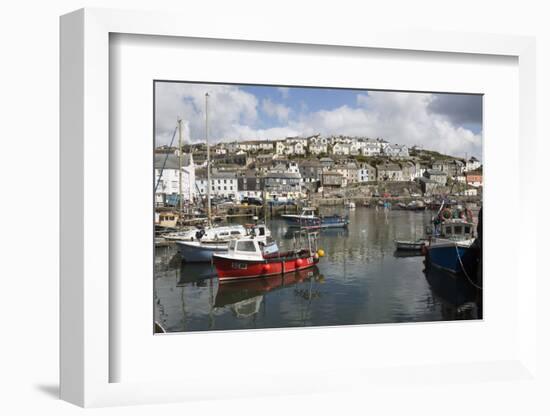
(446, 214)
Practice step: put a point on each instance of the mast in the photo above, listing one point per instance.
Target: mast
(207, 161)
(180, 181)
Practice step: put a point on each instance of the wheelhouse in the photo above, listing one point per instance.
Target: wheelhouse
(457, 230)
(252, 247)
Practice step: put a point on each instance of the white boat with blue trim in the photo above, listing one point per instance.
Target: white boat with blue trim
(215, 240)
(308, 219)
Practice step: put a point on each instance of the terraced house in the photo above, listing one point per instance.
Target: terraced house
(389, 172)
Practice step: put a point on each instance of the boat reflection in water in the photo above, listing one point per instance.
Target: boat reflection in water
(459, 298)
(244, 297)
(196, 273)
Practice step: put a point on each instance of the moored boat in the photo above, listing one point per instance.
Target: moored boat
(350, 205)
(246, 258)
(216, 239)
(183, 235)
(308, 219)
(449, 246)
(410, 245)
(198, 251)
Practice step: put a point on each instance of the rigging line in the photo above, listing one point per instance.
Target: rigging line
(464, 269)
(165, 159)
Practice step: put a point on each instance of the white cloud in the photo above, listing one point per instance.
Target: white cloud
(228, 106)
(404, 118)
(274, 110)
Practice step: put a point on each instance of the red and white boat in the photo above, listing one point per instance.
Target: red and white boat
(248, 258)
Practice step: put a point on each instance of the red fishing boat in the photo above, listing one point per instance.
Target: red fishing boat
(248, 258)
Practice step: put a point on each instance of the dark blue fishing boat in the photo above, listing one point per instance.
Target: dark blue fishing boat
(451, 240)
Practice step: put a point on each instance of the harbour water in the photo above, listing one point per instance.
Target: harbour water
(361, 280)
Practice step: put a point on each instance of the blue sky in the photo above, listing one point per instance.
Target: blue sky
(306, 99)
(450, 123)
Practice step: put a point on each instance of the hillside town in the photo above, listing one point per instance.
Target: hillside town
(322, 224)
(312, 167)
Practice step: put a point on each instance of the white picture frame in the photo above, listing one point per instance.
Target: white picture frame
(85, 212)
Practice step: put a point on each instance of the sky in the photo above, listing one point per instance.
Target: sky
(448, 123)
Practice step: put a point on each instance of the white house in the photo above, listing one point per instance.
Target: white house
(167, 178)
(222, 184)
(317, 148)
(341, 149)
(472, 164)
(220, 150)
(299, 148)
(396, 150)
(370, 149)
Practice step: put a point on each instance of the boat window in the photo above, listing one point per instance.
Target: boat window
(235, 232)
(467, 229)
(448, 230)
(246, 246)
(261, 231)
(223, 234)
(458, 229)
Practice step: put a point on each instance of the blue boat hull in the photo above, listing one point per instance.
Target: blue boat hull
(446, 257)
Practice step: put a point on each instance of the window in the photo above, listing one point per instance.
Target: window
(466, 230)
(448, 230)
(246, 246)
(458, 230)
(235, 232)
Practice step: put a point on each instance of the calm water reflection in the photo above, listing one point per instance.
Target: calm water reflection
(360, 280)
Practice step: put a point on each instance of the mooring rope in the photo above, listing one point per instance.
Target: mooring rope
(463, 269)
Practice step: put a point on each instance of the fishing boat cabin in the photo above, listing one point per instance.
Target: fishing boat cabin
(455, 229)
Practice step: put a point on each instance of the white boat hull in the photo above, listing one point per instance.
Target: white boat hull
(197, 252)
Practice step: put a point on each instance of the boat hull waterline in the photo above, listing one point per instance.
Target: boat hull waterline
(229, 268)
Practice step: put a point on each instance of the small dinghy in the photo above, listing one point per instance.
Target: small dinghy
(409, 245)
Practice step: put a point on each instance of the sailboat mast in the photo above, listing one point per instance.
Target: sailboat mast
(180, 181)
(207, 161)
